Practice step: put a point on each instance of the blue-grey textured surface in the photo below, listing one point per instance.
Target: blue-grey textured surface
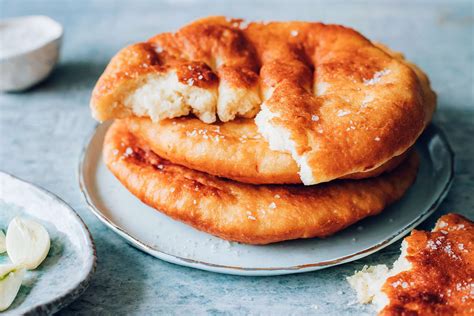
(42, 132)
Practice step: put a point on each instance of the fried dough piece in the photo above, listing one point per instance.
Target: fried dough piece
(233, 150)
(253, 214)
(335, 101)
(433, 276)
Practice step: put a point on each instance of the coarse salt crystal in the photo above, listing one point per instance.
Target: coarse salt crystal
(294, 33)
(276, 196)
(314, 118)
(377, 76)
(193, 133)
(431, 245)
(244, 24)
(377, 139)
(160, 167)
(321, 88)
(442, 224)
(272, 205)
(367, 100)
(190, 81)
(341, 113)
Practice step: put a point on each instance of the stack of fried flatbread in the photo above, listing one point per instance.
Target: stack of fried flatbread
(263, 132)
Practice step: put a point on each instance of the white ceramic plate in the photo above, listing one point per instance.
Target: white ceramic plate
(172, 241)
(66, 271)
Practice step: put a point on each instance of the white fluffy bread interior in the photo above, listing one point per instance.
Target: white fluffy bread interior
(163, 96)
(237, 102)
(279, 139)
(369, 281)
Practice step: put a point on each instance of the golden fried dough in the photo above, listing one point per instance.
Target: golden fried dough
(434, 275)
(440, 280)
(233, 150)
(335, 101)
(243, 212)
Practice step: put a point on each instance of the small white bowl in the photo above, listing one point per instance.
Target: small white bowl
(29, 50)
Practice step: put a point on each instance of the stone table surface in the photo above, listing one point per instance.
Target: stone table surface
(43, 130)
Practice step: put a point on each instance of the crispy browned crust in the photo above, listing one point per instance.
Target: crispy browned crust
(440, 281)
(243, 212)
(233, 150)
(387, 104)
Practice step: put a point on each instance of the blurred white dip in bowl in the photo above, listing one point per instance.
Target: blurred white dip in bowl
(29, 50)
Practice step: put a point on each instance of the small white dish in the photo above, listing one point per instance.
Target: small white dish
(29, 50)
(172, 241)
(66, 272)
